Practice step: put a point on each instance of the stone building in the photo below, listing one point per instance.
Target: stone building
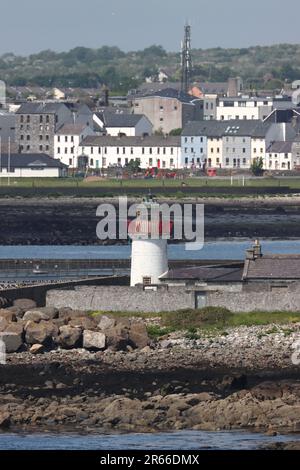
(36, 125)
(168, 109)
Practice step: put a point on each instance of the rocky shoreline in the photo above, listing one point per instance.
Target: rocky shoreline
(116, 378)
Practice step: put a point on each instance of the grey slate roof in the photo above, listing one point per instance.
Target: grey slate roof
(148, 141)
(172, 93)
(281, 267)
(39, 108)
(120, 119)
(27, 160)
(280, 147)
(71, 129)
(206, 273)
(251, 128)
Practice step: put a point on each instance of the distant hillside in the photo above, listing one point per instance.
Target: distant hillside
(267, 67)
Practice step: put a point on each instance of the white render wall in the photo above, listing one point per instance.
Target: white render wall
(102, 157)
(279, 161)
(67, 147)
(31, 173)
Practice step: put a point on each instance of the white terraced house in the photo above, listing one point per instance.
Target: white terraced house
(152, 151)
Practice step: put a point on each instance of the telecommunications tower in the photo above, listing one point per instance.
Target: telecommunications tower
(186, 60)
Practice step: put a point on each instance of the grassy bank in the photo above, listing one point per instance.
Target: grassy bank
(207, 319)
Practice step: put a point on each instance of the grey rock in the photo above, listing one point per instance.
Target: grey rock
(41, 333)
(36, 316)
(106, 322)
(12, 341)
(69, 337)
(25, 304)
(93, 340)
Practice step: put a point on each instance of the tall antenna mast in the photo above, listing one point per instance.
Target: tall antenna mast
(186, 60)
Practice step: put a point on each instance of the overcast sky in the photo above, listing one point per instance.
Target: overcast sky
(30, 26)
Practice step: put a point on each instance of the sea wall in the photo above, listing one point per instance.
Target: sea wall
(131, 299)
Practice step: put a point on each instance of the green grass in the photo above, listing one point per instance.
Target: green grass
(153, 183)
(209, 319)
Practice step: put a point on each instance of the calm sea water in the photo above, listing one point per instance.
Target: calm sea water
(183, 440)
(229, 249)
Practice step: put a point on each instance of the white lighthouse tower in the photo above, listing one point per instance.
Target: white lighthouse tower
(149, 256)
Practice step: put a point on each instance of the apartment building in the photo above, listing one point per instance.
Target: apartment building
(123, 124)
(152, 151)
(67, 141)
(243, 108)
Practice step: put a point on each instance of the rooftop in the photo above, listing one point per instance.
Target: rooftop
(206, 273)
(39, 108)
(266, 267)
(148, 141)
(71, 129)
(253, 128)
(120, 119)
(29, 160)
(280, 147)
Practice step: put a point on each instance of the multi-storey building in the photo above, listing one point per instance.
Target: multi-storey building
(67, 141)
(152, 151)
(168, 109)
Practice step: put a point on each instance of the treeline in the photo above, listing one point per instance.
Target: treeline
(268, 67)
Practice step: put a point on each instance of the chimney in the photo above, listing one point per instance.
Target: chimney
(254, 252)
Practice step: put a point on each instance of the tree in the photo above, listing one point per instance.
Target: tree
(176, 132)
(257, 167)
(134, 165)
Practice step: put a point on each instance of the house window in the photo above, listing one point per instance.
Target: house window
(227, 161)
(47, 119)
(131, 151)
(158, 150)
(186, 150)
(47, 148)
(201, 139)
(28, 148)
(99, 150)
(126, 161)
(22, 137)
(92, 150)
(41, 119)
(91, 162)
(70, 161)
(58, 138)
(150, 151)
(41, 148)
(186, 161)
(105, 151)
(161, 108)
(143, 150)
(171, 161)
(124, 150)
(150, 162)
(218, 150)
(58, 149)
(185, 139)
(66, 138)
(72, 138)
(161, 119)
(244, 161)
(119, 161)
(118, 150)
(172, 151)
(103, 161)
(28, 137)
(244, 150)
(211, 150)
(66, 150)
(22, 118)
(147, 281)
(164, 164)
(254, 150)
(164, 150)
(192, 140)
(41, 137)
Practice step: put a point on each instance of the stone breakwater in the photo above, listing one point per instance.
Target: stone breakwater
(60, 379)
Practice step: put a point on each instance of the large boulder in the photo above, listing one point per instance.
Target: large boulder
(85, 323)
(36, 316)
(68, 314)
(40, 333)
(8, 315)
(25, 304)
(138, 336)
(117, 337)
(17, 311)
(16, 327)
(3, 324)
(69, 337)
(105, 323)
(94, 340)
(12, 341)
